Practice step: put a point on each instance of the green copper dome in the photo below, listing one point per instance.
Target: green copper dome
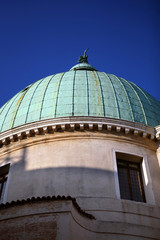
(82, 91)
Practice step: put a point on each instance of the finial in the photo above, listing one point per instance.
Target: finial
(84, 58)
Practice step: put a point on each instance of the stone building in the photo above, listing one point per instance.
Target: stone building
(80, 159)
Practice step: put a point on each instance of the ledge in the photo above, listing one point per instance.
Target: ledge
(158, 132)
(48, 198)
(107, 125)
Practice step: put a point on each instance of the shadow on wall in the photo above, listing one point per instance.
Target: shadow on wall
(73, 181)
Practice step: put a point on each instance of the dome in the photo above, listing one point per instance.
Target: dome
(79, 156)
(82, 91)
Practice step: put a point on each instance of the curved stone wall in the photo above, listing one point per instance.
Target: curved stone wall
(59, 219)
(77, 157)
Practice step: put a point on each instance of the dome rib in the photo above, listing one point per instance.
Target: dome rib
(143, 93)
(117, 103)
(80, 94)
(101, 93)
(49, 100)
(87, 93)
(14, 115)
(4, 106)
(146, 122)
(96, 106)
(74, 77)
(135, 103)
(29, 105)
(111, 109)
(23, 107)
(156, 105)
(40, 116)
(129, 103)
(11, 101)
(58, 86)
(1, 112)
(38, 100)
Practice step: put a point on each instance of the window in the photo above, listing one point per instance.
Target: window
(3, 179)
(130, 177)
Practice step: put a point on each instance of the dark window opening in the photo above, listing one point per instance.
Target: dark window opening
(130, 180)
(3, 180)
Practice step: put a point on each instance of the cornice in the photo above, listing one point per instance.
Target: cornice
(158, 132)
(100, 124)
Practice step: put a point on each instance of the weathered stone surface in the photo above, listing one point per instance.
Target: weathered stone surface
(80, 161)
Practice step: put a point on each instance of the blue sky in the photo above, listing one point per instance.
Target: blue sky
(40, 38)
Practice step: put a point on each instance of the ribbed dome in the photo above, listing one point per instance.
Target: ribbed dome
(81, 91)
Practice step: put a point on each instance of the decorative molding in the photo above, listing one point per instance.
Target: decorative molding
(100, 126)
(127, 130)
(107, 125)
(144, 134)
(63, 127)
(47, 199)
(72, 126)
(81, 126)
(54, 128)
(158, 133)
(135, 132)
(118, 129)
(90, 126)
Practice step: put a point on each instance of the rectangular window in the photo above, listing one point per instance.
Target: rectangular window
(3, 179)
(130, 178)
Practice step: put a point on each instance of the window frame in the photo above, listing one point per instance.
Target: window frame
(145, 171)
(125, 164)
(4, 172)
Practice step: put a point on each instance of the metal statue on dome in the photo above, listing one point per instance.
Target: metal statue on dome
(84, 58)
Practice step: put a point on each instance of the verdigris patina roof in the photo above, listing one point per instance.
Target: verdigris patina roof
(82, 91)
